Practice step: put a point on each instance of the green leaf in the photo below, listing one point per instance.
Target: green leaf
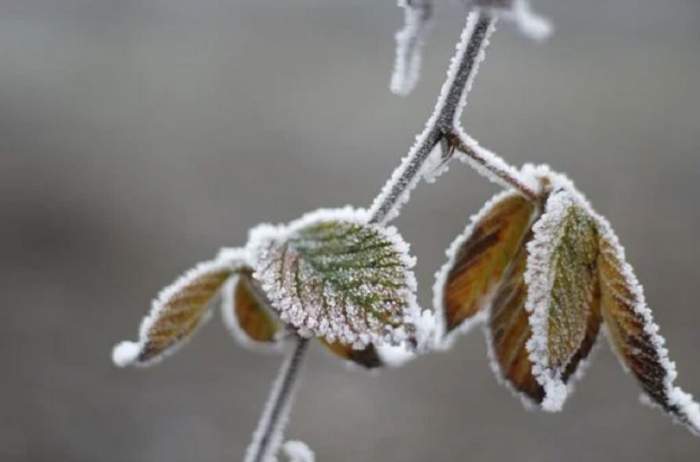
(563, 292)
(333, 276)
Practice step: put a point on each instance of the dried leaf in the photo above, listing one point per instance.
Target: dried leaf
(634, 335)
(332, 275)
(563, 293)
(175, 315)
(246, 312)
(479, 258)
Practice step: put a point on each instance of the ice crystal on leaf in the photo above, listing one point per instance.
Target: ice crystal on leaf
(332, 275)
(545, 276)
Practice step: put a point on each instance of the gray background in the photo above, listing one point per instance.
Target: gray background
(138, 136)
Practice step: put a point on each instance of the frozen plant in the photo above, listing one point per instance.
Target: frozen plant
(537, 266)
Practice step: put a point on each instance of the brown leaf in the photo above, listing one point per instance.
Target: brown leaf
(175, 315)
(481, 257)
(509, 331)
(633, 334)
(246, 312)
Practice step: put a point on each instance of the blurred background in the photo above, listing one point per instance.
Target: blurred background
(139, 136)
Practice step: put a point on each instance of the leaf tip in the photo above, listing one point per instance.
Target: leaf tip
(555, 395)
(125, 353)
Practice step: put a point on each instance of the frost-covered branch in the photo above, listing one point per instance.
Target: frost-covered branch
(463, 69)
(267, 438)
(409, 43)
(443, 127)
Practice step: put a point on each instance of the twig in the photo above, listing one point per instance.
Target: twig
(268, 435)
(490, 164)
(409, 43)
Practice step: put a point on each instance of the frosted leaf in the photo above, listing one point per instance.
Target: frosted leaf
(409, 44)
(634, 335)
(563, 293)
(332, 275)
(298, 451)
(247, 314)
(477, 261)
(178, 311)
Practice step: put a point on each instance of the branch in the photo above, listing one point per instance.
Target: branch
(409, 43)
(268, 435)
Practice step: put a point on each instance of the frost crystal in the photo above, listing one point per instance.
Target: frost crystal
(332, 275)
(409, 42)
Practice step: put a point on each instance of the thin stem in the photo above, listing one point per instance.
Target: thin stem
(268, 435)
(495, 168)
(409, 42)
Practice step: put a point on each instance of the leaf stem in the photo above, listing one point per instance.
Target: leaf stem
(267, 438)
(443, 126)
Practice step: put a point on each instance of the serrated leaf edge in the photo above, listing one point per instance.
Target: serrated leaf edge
(540, 250)
(262, 234)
